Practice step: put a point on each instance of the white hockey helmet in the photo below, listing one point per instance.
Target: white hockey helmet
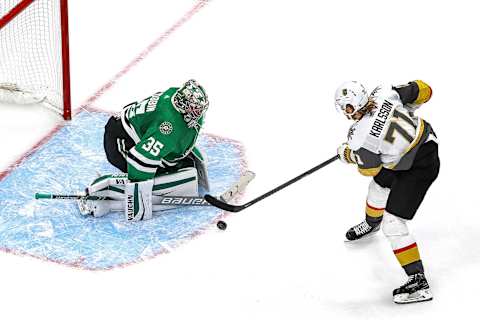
(350, 97)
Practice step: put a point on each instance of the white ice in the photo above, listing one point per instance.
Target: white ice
(270, 68)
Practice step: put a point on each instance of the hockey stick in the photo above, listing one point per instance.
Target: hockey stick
(156, 200)
(165, 200)
(236, 208)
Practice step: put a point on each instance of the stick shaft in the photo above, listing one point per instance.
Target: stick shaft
(233, 208)
(292, 181)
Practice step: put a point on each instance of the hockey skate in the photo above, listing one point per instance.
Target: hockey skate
(415, 290)
(361, 231)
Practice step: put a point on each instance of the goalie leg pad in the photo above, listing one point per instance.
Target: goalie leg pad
(200, 161)
(110, 185)
(138, 200)
(181, 183)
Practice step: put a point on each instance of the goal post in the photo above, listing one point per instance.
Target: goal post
(34, 54)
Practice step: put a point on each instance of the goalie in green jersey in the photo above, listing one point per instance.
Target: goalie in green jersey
(153, 143)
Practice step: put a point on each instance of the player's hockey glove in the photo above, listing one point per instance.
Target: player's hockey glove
(346, 154)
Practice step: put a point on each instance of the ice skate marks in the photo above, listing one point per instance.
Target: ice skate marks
(68, 162)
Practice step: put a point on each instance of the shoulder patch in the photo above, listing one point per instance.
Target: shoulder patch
(166, 128)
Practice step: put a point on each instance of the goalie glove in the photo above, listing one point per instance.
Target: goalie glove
(346, 154)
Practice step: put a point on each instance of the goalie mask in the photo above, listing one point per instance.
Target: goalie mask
(192, 102)
(350, 97)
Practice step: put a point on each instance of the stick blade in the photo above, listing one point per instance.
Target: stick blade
(221, 205)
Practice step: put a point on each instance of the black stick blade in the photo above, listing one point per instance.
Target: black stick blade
(222, 205)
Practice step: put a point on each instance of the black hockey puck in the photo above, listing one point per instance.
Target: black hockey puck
(222, 225)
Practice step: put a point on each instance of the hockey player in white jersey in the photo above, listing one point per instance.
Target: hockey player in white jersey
(400, 151)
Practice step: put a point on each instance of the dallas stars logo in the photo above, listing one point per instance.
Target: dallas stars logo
(166, 128)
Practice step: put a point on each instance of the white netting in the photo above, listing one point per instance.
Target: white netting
(31, 54)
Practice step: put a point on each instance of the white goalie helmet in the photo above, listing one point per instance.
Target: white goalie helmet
(350, 97)
(191, 101)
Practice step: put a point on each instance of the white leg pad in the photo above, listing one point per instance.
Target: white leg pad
(110, 185)
(181, 183)
(138, 200)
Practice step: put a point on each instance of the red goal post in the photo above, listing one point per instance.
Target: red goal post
(34, 53)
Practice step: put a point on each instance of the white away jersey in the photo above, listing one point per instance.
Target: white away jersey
(390, 136)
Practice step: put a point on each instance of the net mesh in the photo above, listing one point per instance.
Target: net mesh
(31, 51)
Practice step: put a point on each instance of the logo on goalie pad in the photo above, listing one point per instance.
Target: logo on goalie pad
(183, 201)
(121, 181)
(130, 211)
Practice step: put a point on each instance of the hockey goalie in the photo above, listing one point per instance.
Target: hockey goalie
(399, 150)
(152, 142)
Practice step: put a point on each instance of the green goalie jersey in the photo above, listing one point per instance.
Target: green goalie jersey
(160, 132)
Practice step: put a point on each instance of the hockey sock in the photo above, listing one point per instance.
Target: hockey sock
(409, 259)
(373, 215)
(403, 244)
(376, 201)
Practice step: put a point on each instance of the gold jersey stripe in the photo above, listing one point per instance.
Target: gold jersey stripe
(418, 138)
(424, 92)
(408, 256)
(412, 145)
(370, 172)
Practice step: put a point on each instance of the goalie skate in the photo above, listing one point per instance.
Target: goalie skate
(361, 231)
(415, 290)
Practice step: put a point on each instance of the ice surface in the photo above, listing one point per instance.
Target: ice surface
(270, 69)
(70, 160)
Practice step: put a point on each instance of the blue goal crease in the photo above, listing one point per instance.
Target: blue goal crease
(69, 161)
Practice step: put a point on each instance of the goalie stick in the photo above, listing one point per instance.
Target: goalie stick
(231, 192)
(236, 208)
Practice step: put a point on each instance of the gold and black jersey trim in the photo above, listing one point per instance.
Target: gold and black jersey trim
(408, 156)
(415, 92)
(370, 172)
(424, 92)
(369, 163)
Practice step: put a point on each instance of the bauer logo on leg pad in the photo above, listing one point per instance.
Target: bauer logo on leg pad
(183, 201)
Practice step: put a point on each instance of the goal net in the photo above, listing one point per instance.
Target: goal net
(34, 58)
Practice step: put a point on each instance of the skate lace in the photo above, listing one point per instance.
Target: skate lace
(411, 279)
(362, 228)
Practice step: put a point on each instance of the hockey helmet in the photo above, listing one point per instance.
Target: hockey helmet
(350, 97)
(192, 102)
